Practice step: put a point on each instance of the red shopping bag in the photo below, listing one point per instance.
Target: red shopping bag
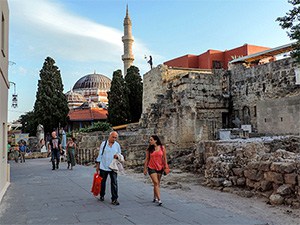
(96, 187)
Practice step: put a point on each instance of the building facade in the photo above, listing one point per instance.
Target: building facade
(4, 86)
(214, 59)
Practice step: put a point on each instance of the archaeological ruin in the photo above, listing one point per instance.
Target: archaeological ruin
(239, 128)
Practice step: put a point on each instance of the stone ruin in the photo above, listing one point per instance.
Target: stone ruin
(270, 169)
(187, 108)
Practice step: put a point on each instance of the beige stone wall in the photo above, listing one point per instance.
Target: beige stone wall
(279, 116)
(4, 85)
(252, 87)
(133, 146)
(183, 105)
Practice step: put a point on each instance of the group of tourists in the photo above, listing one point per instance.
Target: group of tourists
(155, 163)
(55, 148)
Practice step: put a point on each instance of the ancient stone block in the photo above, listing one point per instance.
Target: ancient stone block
(227, 183)
(253, 165)
(241, 181)
(276, 199)
(284, 189)
(264, 166)
(283, 167)
(274, 177)
(265, 185)
(250, 183)
(217, 182)
(238, 171)
(254, 174)
(290, 178)
(233, 180)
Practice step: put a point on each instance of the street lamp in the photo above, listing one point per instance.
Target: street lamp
(14, 96)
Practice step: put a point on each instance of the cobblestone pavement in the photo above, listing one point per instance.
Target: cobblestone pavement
(38, 195)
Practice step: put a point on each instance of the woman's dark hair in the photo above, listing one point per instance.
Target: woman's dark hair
(151, 148)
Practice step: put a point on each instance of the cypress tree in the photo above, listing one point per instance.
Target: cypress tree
(118, 106)
(134, 85)
(51, 106)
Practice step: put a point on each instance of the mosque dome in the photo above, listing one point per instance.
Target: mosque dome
(75, 97)
(93, 81)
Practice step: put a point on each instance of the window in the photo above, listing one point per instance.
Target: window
(216, 64)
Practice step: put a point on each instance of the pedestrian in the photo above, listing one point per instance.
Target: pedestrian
(109, 150)
(155, 162)
(70, 152)
(22, 149)
(16, 152)
(55, 147)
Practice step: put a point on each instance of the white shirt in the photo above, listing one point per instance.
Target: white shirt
(106, 159)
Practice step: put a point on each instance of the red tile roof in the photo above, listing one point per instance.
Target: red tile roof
(90, 114)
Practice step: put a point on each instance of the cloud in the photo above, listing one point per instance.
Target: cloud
(47, 28)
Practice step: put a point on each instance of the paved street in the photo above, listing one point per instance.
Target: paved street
(38, 195)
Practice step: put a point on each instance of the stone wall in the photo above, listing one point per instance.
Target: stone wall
(133, 145)
(253, 88)
(280, 116)
(267, 168)
(185, 106)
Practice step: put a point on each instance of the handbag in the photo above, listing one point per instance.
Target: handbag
(96, 186)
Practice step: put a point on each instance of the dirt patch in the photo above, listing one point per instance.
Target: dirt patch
(190, 187)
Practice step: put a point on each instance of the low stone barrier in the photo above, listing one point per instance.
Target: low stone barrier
(259, 167)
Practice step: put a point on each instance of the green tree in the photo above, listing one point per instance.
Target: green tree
(134, 85)
(51, 106)
(29, 124)
(291, 22)
(118, 106)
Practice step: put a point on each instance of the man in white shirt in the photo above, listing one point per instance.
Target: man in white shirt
(108, 151)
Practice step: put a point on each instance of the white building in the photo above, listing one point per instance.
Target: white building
(4, 86)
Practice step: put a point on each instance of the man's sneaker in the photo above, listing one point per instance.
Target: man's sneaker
(101, 198)
(115, 202)
(159, 203)
(155, 200)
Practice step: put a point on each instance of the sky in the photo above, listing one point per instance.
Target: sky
(85, 36)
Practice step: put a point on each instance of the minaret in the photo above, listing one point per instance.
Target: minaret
(127, 40)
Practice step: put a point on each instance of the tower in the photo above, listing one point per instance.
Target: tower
(127, 40)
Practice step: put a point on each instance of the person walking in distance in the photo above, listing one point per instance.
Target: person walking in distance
(155, 162)
(70, 152)
(22, 149)
(109, 150)
(55, 147)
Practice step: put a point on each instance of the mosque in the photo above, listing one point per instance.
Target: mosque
(87, 100)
